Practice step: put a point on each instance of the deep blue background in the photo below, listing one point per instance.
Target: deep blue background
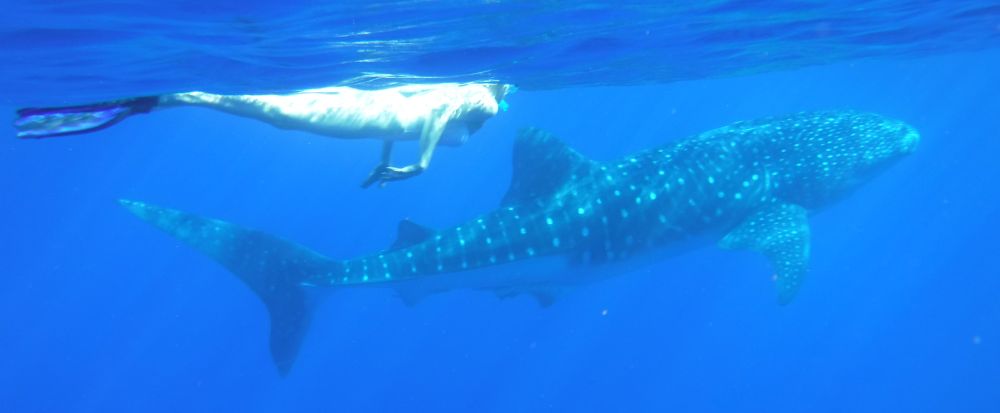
(101, 312)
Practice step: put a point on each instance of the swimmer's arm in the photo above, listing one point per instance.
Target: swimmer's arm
(386, 152)
(382, 167)
(429, 138)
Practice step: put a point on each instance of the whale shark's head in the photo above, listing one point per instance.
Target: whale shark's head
(880, 142)
(830, 155)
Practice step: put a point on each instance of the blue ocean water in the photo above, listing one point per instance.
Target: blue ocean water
(89, 50)
(100, 312)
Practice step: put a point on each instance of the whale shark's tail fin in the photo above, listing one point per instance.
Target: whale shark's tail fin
(71, 120)
(272, 267)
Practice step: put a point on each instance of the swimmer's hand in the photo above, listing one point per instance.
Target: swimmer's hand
(384, 173)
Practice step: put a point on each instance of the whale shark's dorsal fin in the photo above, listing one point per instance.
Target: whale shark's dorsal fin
(410, 233)
(780, 232)
(542, 165)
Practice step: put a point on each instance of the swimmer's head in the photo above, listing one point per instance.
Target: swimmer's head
(500, 91)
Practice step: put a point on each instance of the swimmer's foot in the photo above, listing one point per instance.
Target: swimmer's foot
(385, 173)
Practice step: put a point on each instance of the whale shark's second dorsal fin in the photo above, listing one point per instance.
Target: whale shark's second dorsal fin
(542, 165)
(410, 233)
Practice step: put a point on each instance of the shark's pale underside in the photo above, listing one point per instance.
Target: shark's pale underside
(748, 185)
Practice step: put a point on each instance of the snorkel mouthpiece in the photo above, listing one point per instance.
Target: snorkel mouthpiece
(502, 91)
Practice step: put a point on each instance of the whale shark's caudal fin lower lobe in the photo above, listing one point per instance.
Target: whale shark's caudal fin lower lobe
(71, 120)
(272, 267)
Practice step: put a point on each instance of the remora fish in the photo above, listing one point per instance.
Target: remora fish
(749, 185)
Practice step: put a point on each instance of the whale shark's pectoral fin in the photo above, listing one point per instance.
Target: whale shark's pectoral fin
(780, 232)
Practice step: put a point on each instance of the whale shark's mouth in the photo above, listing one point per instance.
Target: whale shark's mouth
(910, 140)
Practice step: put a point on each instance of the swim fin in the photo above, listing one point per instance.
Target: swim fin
(71, 120)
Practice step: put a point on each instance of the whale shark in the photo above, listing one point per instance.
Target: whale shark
(567, 219)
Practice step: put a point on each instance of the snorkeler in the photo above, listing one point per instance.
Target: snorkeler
(432, 114)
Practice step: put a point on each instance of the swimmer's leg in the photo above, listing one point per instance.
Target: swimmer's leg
(71, 120)
(309, 112)
(199, 99)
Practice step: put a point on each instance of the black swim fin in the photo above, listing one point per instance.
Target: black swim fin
(71, 120)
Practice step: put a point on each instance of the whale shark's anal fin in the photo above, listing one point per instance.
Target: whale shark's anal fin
(545, 299)
(541, 165)
(780, 232)
(272, 267)
(545, 296)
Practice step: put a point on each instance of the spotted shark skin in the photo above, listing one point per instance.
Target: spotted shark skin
(749, 185)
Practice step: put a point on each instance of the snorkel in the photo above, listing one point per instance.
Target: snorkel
(500, 92)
